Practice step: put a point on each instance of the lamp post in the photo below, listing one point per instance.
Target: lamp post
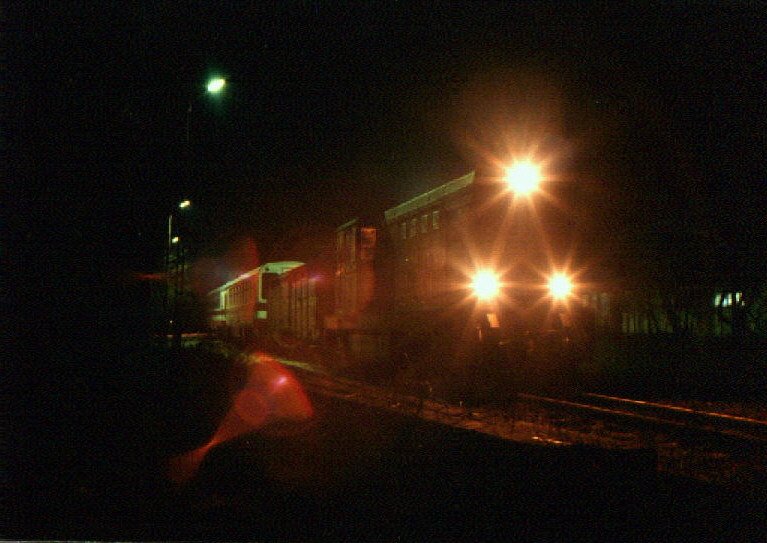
(213, 87)
(175, 261)
(174, 271)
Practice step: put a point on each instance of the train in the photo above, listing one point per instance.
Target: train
(453, 277)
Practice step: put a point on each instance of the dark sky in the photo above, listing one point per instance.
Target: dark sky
(335, 109)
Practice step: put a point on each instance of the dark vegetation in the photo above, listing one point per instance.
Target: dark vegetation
(726, 369)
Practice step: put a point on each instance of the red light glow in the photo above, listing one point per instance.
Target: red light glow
(272, 395)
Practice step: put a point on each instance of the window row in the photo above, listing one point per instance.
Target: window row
(410, 229)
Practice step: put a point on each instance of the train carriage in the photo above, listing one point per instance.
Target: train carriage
(239, 307)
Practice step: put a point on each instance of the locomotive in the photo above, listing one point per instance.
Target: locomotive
(457, 277)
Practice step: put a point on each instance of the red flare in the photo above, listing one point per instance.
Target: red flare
(271, 396)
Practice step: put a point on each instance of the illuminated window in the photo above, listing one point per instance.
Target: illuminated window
(435, 220)
(424, 223)
(492, 320)
(403, 229)
(725, 299)
(413, 227)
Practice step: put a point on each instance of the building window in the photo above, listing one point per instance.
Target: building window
(424, 223)
(725, 299)
(435, 220)
(403, 229)
(413, 227)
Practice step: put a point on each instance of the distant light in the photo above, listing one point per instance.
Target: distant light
(486, 285)
(523, 177)
(216, 84)
(184, 204)
(560, 286)
(175, 239)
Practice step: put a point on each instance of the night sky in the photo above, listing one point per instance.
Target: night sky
(336, 109)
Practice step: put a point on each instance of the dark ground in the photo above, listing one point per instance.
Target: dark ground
(355, 473)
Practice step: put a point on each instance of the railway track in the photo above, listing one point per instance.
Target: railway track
(667, 421)
(730, 425)
(654, 422)
(712, 447)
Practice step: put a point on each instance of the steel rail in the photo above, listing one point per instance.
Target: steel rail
(715, 417)
(668, 419)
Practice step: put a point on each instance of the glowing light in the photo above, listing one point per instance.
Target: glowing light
(523, 177)
(216, 84)
(560, 286)
(184, 204)
(175, 239)
(486, 285)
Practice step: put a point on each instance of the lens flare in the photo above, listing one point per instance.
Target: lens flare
(257, 406)
(485, 285)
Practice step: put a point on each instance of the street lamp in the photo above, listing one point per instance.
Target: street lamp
(172, 268)
(171, 239)
(215, 85)
(175, 264)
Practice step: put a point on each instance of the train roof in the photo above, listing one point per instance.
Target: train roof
(428, 198)
(270, 267)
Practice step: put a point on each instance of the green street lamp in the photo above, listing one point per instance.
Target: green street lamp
(215, 85)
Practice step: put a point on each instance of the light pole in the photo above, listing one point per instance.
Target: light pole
(175, 261)
(172, 266)
(213, 87)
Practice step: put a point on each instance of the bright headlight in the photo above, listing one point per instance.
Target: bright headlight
(560, 286)
(485, 285)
